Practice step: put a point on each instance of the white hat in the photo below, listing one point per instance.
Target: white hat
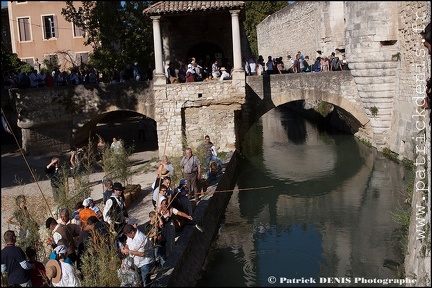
(60, 249)
(86, 202)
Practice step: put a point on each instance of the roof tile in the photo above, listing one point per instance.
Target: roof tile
(170, 7)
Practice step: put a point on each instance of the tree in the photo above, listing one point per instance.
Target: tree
(257, 11)
(117, 31)
(11, 63)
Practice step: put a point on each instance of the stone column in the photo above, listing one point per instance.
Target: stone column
(238, 72)
(159, 77)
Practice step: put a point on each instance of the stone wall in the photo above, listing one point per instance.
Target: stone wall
(195, 110)
(51, 119)
(305, 26)
(371, 41)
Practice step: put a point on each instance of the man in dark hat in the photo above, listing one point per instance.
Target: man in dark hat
(114, 212)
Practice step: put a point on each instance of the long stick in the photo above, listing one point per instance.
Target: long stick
(241, 189)
(160, 173)
(25, 160)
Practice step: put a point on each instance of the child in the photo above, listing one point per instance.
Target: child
(38, 273)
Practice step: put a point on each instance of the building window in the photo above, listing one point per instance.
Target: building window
(29, 61)
(24, 29)
(82, 58)
(78, 31)
(49, 27)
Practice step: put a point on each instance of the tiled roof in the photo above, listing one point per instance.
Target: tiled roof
(171, 7)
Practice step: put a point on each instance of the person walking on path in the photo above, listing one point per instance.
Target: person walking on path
(191, 169)
(141, 129)
(54, 172)
(108, 191)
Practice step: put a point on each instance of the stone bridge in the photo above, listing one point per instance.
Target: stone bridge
(53, 119)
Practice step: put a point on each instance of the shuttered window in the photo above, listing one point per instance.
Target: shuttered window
(24, 29)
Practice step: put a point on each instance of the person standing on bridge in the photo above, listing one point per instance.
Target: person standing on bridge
(191, 169)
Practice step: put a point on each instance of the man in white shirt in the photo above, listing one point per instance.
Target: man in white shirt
(114, 212)
(140, 248)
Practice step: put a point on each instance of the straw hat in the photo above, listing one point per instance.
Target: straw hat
(223, 69)
(53, 271)
(165, 172)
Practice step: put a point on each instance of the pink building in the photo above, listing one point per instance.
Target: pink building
(39, 31)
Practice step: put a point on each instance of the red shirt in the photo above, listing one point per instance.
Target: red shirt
(36, 274)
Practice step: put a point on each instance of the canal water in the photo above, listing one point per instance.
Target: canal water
(310, 209)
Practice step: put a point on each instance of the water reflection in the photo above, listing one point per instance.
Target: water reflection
(328, 213)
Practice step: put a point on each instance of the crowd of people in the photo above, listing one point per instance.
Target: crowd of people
(199, 71)
(297, 64)
(76, 233)
(41, 77)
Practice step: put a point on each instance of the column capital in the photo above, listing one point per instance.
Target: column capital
(155, 17)
(234, 12)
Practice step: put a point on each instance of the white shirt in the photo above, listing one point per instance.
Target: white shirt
(260, 69)
(140, 243)
(155, 197)
(108, 206)
(252, 66)
(116, 146)
(68, 276)
(225, 76)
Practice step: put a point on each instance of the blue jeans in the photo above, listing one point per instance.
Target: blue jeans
(207, 161)
(159, 253)
(145, 273)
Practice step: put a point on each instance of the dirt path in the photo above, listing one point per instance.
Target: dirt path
(13, 165)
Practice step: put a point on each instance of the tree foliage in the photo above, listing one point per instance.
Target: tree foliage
(116, 30)
(11, 63)
(257, 11)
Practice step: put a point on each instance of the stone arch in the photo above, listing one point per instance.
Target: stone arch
(88, 127)
(353, 113)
